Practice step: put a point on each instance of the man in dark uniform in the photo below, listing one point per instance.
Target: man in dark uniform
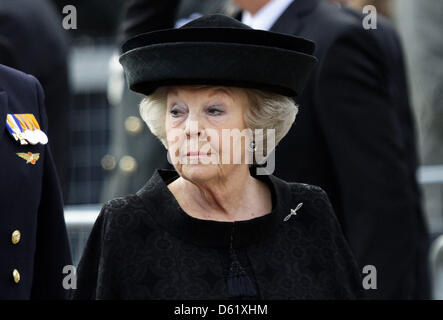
(352, 138)
(33, 240)
(32, 40)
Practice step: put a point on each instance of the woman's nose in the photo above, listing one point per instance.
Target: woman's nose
(193, 126)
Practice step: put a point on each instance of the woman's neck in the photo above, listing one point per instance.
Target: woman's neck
(232, 197)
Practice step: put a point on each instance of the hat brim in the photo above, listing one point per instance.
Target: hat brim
(245, 58)
(221, 35)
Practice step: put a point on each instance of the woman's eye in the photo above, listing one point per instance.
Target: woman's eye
(176, 111)
(215, 111)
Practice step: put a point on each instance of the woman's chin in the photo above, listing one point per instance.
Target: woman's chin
(199, 171)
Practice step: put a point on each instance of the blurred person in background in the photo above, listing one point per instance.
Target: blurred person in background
(135, 153)
(34, 245)
(33, 40)
(389, 42)
(355, 139)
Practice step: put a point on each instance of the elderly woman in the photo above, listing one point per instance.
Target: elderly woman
(216, 227)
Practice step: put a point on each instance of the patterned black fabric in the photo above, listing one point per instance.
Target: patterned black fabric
(239, 283)
(145, 246)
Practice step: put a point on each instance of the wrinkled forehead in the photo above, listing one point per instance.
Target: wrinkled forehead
(206, 90)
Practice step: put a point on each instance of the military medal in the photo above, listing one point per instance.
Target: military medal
(29, 132)
(24, 127)
(43, 138)
(30, 136)
(39, 134)
(15, 129)
(11, 127)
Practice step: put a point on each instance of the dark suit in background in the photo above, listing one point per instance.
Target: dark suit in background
(353, 137)
(142, 16)
(389, 42)
(32, 40)
(31, 202)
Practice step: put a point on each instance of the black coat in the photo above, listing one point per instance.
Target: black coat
(30, 201)
(354, 137)
(145, 246)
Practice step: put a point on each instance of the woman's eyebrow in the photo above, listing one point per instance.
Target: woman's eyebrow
(172, 91)
(221, 90)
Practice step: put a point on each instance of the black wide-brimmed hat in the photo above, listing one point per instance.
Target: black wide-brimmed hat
(218, 50)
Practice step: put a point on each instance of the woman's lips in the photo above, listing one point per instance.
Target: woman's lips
(197, 154)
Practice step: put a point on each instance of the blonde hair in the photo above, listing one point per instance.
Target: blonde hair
(267, 110)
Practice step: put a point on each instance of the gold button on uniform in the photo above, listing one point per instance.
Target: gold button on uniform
(16, 275)
(15, 237)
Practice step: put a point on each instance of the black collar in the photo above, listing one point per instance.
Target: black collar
(166, 211)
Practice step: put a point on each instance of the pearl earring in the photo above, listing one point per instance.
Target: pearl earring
(252, 146)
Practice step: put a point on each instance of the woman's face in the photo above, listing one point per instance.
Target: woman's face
(202, 129)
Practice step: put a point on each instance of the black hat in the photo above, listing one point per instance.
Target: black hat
(218, 50)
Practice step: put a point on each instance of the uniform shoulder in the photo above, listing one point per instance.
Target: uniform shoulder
(11, 74)
(19, 84)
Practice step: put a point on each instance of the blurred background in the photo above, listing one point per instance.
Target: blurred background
(80, 68)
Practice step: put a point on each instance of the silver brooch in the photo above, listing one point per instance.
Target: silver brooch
(293, 212)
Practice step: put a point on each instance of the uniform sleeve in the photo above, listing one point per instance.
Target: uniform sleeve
(52, 244)
(89, 268)
(364, 138)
